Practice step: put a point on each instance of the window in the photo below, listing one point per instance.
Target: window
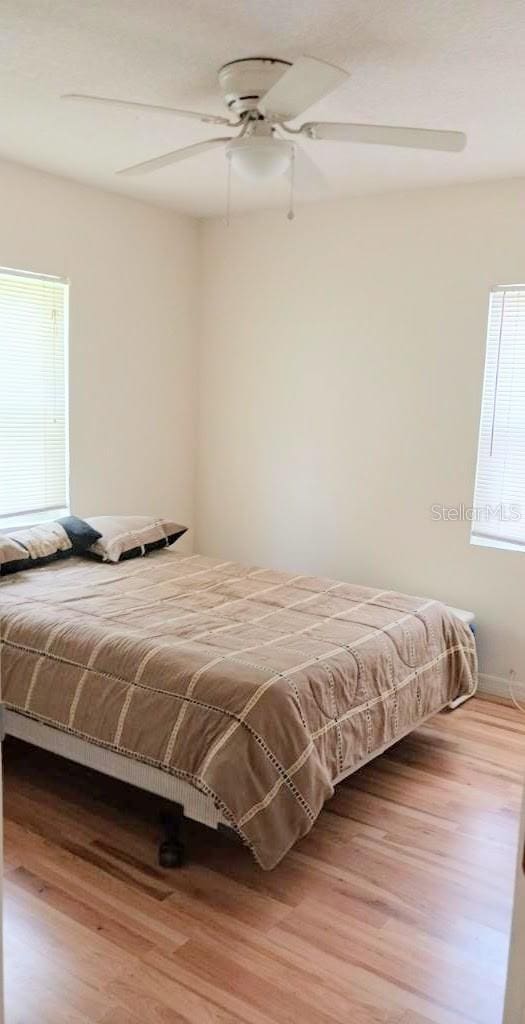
(499, 499)
(33, 398)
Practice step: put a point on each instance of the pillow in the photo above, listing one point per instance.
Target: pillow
(29, 547)
(132, 536)
(12, 556)
(42, 542)
(80, 533)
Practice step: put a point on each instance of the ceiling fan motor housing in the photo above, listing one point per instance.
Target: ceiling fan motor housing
(245, 82)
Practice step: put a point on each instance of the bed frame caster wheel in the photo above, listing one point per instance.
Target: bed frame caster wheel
(171, 854)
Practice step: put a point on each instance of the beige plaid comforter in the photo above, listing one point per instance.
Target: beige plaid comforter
(258, 687)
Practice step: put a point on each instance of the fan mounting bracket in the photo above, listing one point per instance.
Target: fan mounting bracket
(244, 82)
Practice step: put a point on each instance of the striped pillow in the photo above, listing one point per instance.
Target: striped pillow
(132, 536)
(31, 546)
(12, 555)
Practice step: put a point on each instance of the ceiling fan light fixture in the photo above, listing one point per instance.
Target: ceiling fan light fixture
(257, 158)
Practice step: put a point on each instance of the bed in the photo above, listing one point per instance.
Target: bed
(242, 694)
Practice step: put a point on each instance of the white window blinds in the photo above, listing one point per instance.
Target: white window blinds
(499, 499)
(33, 397)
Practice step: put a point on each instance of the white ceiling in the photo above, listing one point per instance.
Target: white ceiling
(430, 63)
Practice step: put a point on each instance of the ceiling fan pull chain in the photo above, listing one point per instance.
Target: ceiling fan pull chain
(228, 193)
(291, 212)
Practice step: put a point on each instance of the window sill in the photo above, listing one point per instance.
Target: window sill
(31, 518)
(494, 542)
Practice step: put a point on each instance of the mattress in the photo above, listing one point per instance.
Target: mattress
(260, 688)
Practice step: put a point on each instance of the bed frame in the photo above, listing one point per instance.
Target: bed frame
(180, 799)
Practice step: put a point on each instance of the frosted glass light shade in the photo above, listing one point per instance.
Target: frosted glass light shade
(258, 159)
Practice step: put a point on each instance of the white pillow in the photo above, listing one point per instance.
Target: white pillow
(132, 536)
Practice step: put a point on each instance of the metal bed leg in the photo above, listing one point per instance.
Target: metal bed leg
(465, 696)
(172, 852)
(459, 700)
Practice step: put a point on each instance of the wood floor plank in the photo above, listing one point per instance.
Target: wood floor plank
(395, 909)
(81, 911)
(158, 999)
(267, 984)
(401, 962)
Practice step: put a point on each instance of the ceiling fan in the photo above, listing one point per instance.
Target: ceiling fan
(265, 94)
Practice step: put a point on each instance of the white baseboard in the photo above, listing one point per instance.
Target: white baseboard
(497, 686)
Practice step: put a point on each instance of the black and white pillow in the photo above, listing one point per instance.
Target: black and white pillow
(12, 556)
(31, 546)
(132, 536)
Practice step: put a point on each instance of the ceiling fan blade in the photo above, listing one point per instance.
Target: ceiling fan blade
(385, 135)
(308, 178)
(195, 115)
(306, 82)
(173, 158)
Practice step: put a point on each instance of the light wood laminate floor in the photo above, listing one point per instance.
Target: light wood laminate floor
(394, 910)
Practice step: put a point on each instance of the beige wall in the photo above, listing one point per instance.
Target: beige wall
(341, 369)
(341, 361)
(132, 269)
